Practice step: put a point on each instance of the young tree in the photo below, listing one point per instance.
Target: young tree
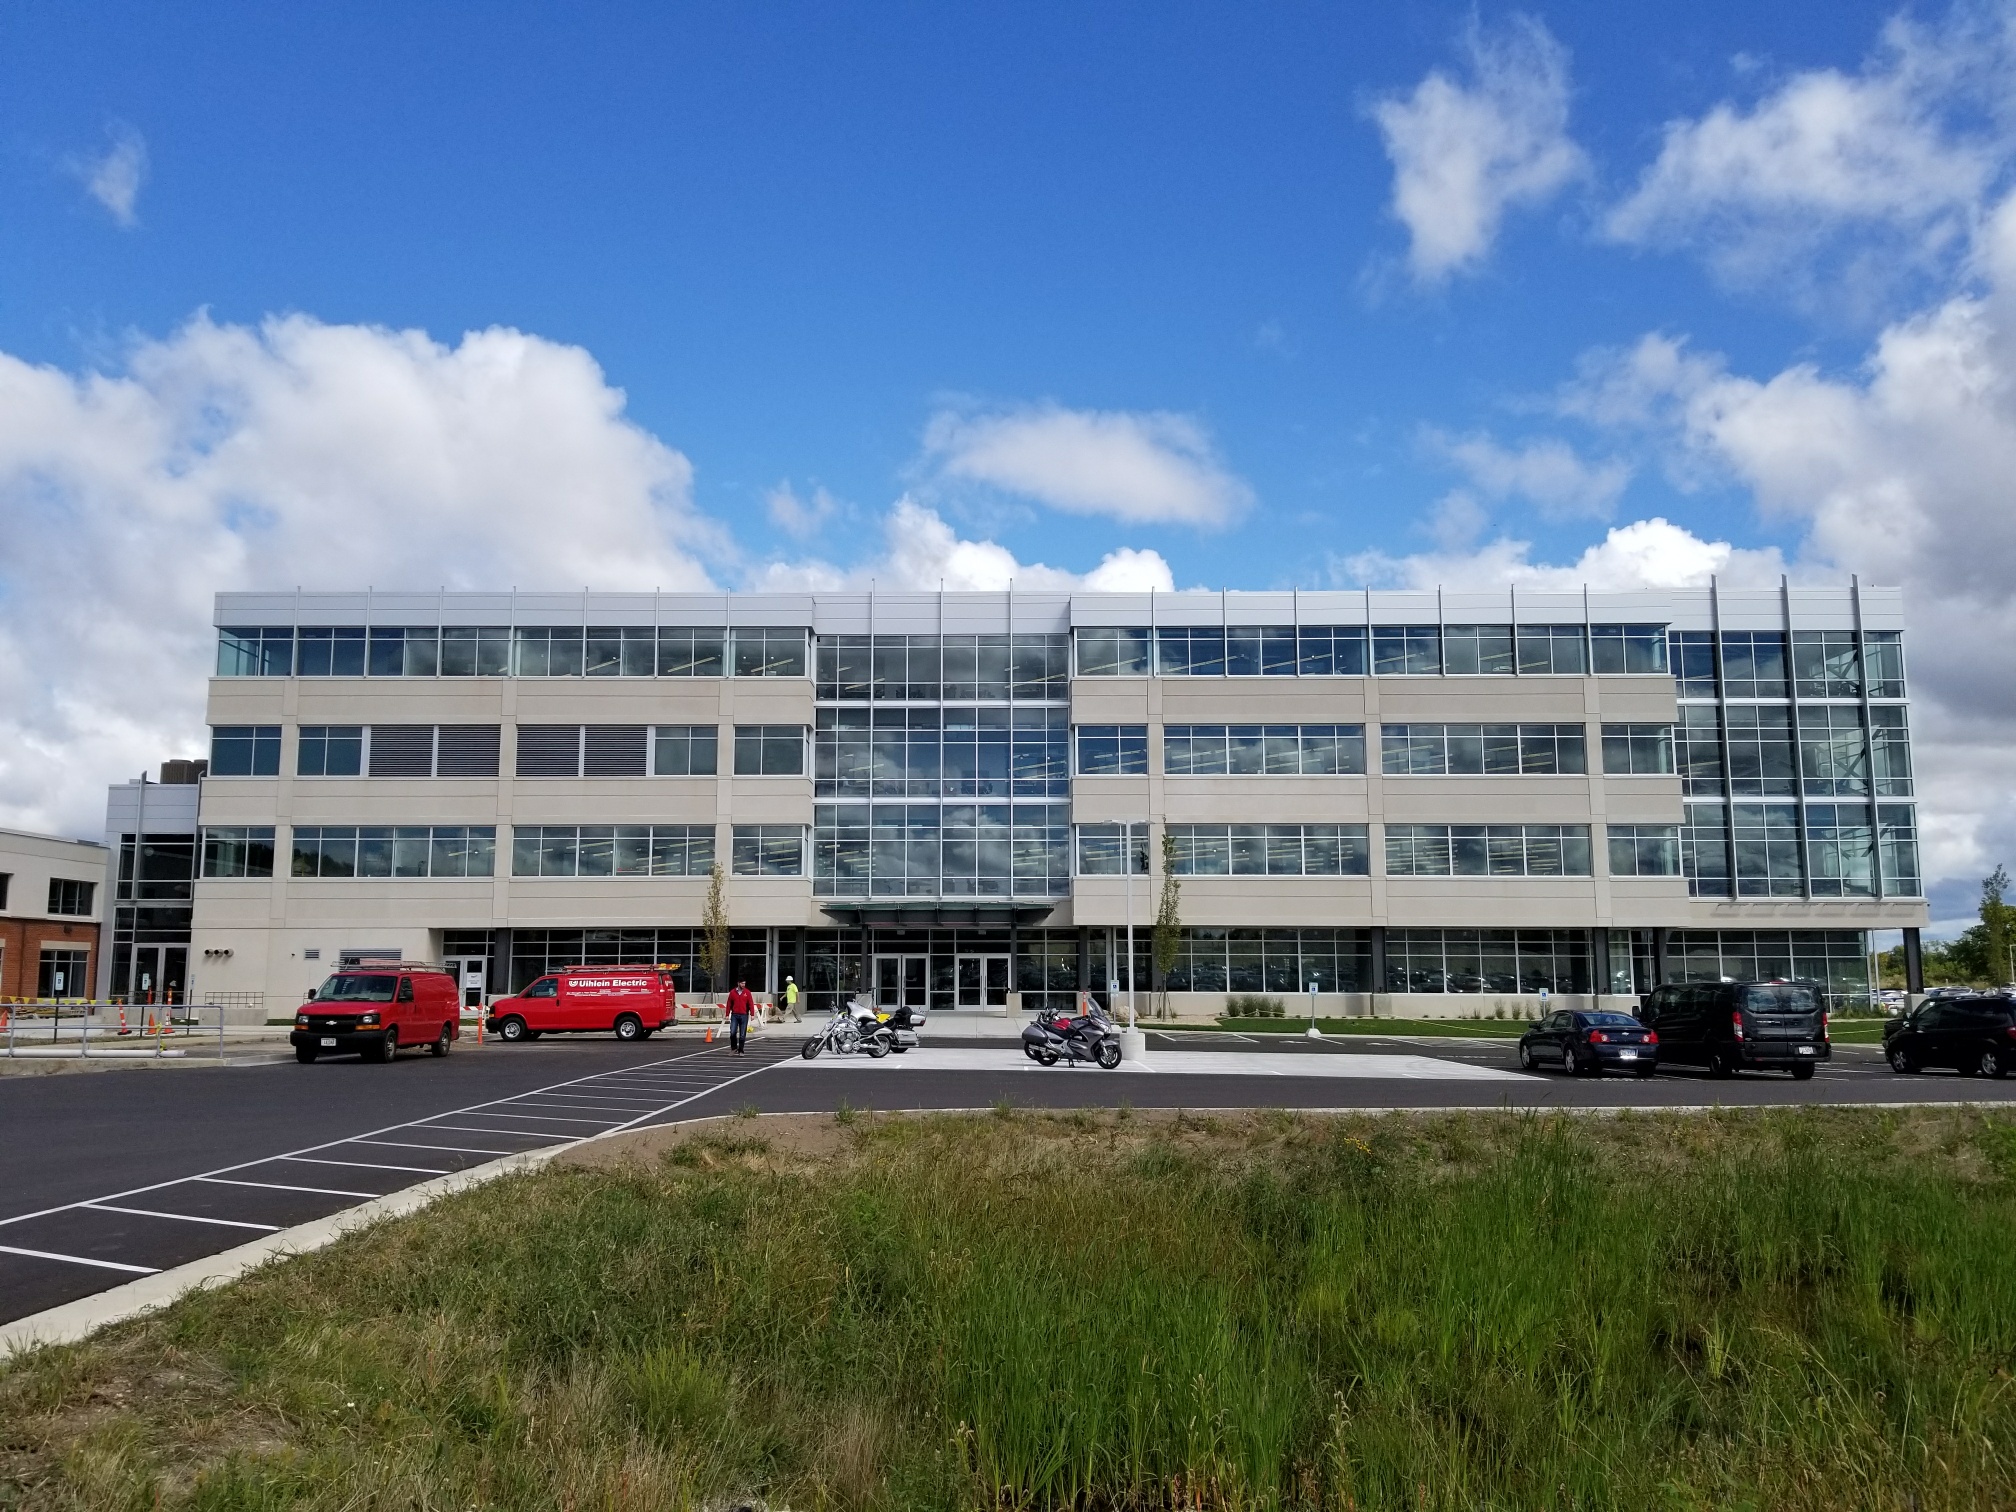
(714, 932)
(1168, 936)
(1997, 926)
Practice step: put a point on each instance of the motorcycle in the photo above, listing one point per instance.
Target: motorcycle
(837, 1034)
(856, 1028)
(1051, 1037)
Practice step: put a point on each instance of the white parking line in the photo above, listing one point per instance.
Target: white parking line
(281, 1186)
(136, 1270)
(106, 1207)
(424, 1127)
(546, 1117)
(407, 1144)
(369, 1165)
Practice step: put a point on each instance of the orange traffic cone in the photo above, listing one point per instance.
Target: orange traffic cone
(122, 1020)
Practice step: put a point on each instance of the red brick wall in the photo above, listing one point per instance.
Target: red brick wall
(21, 942)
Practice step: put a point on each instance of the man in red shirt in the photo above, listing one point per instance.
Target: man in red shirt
(738, 1008)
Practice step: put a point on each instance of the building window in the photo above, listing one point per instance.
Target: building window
(1890, 751)
(1825, 664)
(1638, 750)
(1627, 649)
(1697, 750)
(1112, 850)
(1897, 845)
(1885, 652)
(238, 851)
(769, 652)
(769, 850)
(547, 650)
(1560, 650)
(330, 651)
(691, 651)
(1704, 850)
(1271, 960)
(1841, 850)
(71, 898)
(1263, 750)
(1477, 650)
(1112, 750)
(620, 651)
(769, 750)
(412, 651)
(1753, 664)
(1833, 753)
(1833, 956)
(612, 850)
(1332, 650)
(1487, 850)
(1644, 850)
(1271, 850)
(1693, 661)
(330, 751)
(1487, 960)
(476, 651)
(403, 851)
(255, 652)
(245, 751)
(1766, 851)
(63, 974)
(1415, 750)
(1761, 759)
(6, 878)
(685, 751)
(1104, 652)
(1406, 650)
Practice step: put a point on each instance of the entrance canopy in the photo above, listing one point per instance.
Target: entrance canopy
(898, 913)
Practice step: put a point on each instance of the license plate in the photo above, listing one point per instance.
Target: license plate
(1805, 1049)
(329, 1041)
(1627, 1055)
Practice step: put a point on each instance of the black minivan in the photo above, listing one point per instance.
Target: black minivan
(1974, 1034)
(1732, 1026)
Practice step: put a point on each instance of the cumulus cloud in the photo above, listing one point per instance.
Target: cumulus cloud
(1546, 472)
(1902, 154)
(295, 453)
(923, 553)
(1140, 468)
(1647, 554)
(113, 177)
(1466, 150)
(796, 515)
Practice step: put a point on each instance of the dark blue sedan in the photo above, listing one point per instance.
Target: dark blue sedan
(1590, 1043)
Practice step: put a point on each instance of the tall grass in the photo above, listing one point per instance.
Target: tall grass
(1752, 1310)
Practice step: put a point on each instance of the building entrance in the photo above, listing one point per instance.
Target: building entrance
(160, 973)
(902, 982)
(471, 973)
(980, 981)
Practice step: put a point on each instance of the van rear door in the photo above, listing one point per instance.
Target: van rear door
(1778, 1012)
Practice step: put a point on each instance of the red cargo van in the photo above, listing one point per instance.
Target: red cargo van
(379, 1010)
(633, 1001)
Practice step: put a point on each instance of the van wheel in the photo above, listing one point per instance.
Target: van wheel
(1721, 1065)
(440, 1045)
(305, 1054)
(1900, 1060)
(511, 1030)
(629, 1027)
(1802, 1073)
(383, 1049)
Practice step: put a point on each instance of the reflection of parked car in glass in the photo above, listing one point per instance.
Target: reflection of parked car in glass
(377, 1011)
(1974, 1035)
(1587, 1044)
(1732, 1026)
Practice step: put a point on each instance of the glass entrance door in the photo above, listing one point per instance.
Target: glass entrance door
(159, 973)
(981, 981)
(469, 976)
(902, 982)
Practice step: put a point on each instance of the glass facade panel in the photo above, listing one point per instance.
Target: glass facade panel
(1478, 650)
(1112, 750)
(1761, 758)
(1487, 960)
(245, 751)
(255, 651)
(1833, 753)
(1826, 664)
(238, 851)
(1627, 649)
(1753, 664)
(1480, 850)
(1417, 750)
(1104, 652)
(375, 850)
(1406, 650)
(1638, 750)
(1766, 850)
(1644, 850)
(1552, 649)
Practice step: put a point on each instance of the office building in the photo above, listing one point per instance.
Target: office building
(1415, 803)
(51, 891)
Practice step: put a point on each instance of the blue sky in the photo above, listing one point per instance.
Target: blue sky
(1247, 295)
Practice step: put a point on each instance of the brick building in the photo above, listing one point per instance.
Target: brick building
(51, 894)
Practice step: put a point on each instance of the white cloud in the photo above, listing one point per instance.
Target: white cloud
(1465, 151)
(1139, 468)
(923, 553)
(1650, 554)
(296, 453)
(1548, 472)
(796, 516)
(1901, 153)
(113, 177)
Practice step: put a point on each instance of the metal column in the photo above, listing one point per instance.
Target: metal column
(1914, 964)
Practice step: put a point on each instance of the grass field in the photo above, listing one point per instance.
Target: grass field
(1794, 1309)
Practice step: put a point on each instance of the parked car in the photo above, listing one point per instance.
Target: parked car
(1974, 1035)
(633, 1002)
(1589, 1043)
(1733, 1026)
(378, 1011)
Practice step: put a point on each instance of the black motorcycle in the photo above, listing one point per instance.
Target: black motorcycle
(1051, 1037)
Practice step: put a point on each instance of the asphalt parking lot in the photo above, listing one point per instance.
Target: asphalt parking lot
(122, 1174)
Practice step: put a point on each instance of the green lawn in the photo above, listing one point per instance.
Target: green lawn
(1790, 1309)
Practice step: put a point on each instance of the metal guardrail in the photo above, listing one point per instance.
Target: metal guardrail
(93, 1026)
